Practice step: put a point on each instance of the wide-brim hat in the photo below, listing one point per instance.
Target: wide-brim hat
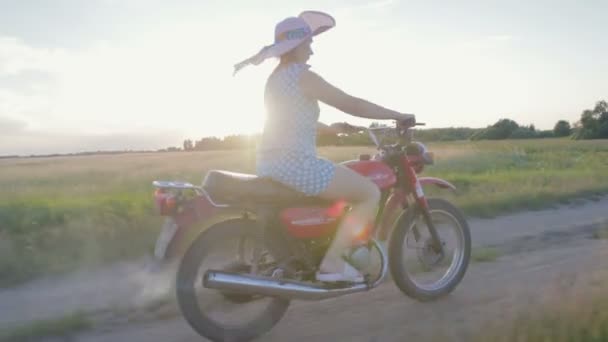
(289, 33)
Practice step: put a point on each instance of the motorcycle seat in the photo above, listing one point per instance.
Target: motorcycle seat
(235, 188)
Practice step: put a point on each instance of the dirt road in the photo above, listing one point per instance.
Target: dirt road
(542, 253)
(489, 293)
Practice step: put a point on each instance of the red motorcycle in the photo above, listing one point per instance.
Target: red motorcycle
(270, 240)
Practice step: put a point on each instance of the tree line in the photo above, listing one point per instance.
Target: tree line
(593, 124)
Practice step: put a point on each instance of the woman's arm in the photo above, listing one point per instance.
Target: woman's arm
(316, 87)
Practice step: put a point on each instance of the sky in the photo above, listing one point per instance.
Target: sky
(146, 74)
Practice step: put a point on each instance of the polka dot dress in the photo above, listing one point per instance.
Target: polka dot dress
(287, 150)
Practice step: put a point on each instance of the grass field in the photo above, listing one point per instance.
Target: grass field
(57, 214)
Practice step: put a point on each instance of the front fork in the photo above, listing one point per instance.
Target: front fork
(436, 243)
(421, 208)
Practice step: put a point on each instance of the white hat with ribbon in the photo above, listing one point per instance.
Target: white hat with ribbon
(289, 33)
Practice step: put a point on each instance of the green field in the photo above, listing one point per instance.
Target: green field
(60, 213)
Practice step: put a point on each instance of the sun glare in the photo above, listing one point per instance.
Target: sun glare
(176, 84)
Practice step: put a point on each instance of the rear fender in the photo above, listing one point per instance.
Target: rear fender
(194, 217)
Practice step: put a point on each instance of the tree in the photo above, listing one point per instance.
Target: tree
(562, 129)
(601, 107)
(188, 146)
(505, 127)
(346, 128)
(594, 123)
(603, 130)
(208, 143)
(523, 133)
(502, 129)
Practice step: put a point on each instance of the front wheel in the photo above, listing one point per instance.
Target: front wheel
(224, 316)
(417, 269)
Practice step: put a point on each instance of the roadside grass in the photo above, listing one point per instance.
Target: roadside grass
(36, 330)
(501, 177)
(485, 254)
(59, 214)
(567, 317)
(601, 233)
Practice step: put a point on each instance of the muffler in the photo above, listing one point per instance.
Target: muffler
(272, 287)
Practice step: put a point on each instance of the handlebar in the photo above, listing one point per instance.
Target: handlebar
(402, 128)
(408, 123)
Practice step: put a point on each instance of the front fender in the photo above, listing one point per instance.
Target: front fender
(396, 204)
(443, 184)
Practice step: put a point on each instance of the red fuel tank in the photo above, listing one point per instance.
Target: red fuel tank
(310, 222)
(375, 170)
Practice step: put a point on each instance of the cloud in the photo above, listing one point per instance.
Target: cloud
(359, 6)
(112, 88)
(27, 77)
(9, 126)
(377, 4)
(26, 82)
(488, 41)
(501, 37)
(364, 9)
(16, 57)
(26, 142)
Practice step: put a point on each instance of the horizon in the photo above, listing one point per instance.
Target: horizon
(178, 147)
(144, 75)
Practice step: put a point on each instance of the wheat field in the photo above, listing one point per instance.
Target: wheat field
(61, 213)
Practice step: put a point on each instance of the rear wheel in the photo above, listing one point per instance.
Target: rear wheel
(224, 316)
(237, 267)
(417, 269)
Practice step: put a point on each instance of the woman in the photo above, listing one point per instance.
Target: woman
(287, 150)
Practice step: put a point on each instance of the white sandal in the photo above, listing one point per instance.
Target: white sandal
(348, 274)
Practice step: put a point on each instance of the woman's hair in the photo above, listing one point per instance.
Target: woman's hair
(287, 57)
(284, 60)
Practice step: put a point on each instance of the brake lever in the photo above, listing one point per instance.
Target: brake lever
(374, 138)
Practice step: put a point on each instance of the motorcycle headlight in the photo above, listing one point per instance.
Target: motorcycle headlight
(429, 158)
(418, 149)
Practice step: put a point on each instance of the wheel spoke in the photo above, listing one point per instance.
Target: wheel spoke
(426, 269)
(211, 311)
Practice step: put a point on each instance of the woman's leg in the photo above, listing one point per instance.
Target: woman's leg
(364, 196)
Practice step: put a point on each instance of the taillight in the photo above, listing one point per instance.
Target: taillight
(166, 203)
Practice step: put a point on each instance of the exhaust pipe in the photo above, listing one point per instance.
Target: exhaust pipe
(272, 287)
